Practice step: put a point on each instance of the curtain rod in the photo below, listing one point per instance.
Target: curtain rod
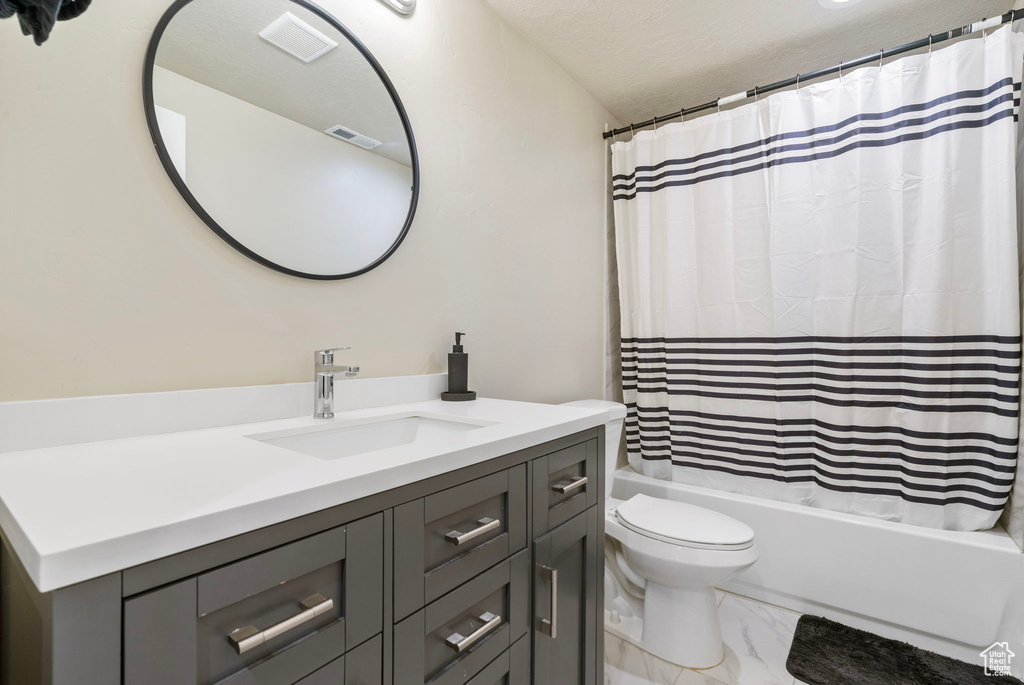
(1012, 15)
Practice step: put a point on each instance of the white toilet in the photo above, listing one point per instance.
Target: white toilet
(672, 555)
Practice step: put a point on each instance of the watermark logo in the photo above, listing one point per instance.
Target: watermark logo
(997, 659)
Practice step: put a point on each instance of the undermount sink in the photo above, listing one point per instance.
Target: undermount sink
(350, 439)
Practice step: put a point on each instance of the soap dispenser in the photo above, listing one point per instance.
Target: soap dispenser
(458, 374)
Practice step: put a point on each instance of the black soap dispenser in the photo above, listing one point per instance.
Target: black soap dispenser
(458, 374)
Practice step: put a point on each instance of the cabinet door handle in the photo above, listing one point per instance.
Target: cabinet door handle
(460, 644)
(248, 637)
(576, 482)
(550, 626)
(459, 538)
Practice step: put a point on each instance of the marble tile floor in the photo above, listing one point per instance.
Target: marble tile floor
(757, 638)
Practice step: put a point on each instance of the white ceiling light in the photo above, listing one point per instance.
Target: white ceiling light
(297, 38)
(837, 4)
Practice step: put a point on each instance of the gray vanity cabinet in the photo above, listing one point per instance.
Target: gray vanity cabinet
(511, 668)
(444, 539)
(271, 619)
(361, 666)
(486, 575)
(567, 571)
(568, 552)
(451, 640)
(566, 483)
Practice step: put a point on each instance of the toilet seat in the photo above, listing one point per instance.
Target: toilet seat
(683, 525)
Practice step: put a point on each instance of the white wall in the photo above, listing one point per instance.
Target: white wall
(110, 284)
(304, 200)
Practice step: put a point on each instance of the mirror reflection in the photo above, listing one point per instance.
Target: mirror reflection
(283, 135)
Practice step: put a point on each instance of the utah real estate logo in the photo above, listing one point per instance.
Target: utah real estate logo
(997, 659)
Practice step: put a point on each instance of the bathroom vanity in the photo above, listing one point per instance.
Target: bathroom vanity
(468, 556)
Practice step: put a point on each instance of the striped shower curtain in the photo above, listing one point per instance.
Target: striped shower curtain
(819, 291)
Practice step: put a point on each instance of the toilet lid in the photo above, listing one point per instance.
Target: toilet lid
(683, 524)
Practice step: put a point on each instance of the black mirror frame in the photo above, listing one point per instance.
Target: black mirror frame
(179, 183)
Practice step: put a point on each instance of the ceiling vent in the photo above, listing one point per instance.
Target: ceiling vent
(297, 38)
(350, 136)
(403, 7)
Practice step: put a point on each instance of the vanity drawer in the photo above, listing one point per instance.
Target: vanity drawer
(364, 665)
(481, 618)
(511, 668)
(445, 539)
(271, 619)
(565, 483)
(361, 666)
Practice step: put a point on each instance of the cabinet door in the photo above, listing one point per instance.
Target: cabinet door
(567, 576)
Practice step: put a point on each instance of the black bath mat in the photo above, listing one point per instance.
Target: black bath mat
(828, 653)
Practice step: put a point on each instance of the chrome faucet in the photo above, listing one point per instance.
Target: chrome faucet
(323, 380)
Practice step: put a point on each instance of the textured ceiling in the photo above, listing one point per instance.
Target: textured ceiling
(642, 58)
(216, 43)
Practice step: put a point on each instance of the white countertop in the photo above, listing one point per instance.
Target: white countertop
(77, 512)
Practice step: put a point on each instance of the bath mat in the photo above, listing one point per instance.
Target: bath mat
(828, 653)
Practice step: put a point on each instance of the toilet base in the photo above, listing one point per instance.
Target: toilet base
(681, 626)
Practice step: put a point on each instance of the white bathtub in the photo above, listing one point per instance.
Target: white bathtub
(951, 592)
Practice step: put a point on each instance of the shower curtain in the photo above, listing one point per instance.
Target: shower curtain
(819, 291)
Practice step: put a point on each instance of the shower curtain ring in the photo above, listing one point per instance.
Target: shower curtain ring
(655, 123)
(881, 54)
(840, 72)
(755, 93)
(798, 83)
(632, 133)
(929, 45)
(682, 115)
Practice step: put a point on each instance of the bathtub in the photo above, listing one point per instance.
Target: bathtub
(950, 592)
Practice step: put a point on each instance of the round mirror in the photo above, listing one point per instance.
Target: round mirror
(283, 133)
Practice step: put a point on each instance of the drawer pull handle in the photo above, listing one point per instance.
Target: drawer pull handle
(248, 637)
(550, 626)
(460, 644)
(577, 482)
(459, 538)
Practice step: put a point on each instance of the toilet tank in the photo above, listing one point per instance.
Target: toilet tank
(612, 434)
